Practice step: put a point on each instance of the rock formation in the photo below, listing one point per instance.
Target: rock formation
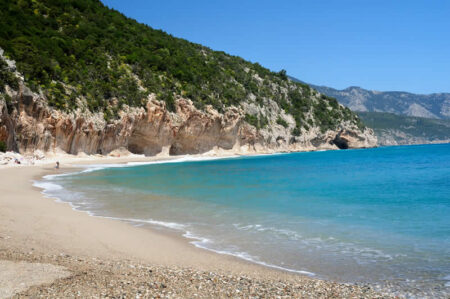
(27, 124)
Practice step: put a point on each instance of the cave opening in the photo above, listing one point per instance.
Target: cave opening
(340, 143)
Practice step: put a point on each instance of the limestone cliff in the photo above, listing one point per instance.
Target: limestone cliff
(27, 124)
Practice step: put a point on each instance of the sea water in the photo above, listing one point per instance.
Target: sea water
(378, 216)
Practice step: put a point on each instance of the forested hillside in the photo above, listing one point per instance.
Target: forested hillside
(77, 76)
(69, 49)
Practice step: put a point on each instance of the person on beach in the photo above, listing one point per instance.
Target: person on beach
(57, 165)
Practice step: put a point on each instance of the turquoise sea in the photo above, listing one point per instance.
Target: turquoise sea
(378, 216)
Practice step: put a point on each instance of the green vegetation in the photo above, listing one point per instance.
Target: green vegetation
(282, 122)
(257, 121)
(81, 49)
(252, 119)
(428, 128)
(8, 101)
(7, 77)
(2, 146)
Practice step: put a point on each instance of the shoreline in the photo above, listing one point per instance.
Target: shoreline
(60, 206)
(170, 229)
(31, 222)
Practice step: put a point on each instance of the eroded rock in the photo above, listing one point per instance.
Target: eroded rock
(31, 125)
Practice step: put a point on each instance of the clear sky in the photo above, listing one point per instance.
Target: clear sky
(376, 44)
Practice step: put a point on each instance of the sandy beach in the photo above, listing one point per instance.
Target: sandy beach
(85, 256)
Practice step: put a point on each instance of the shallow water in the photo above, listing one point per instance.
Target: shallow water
(380, 216)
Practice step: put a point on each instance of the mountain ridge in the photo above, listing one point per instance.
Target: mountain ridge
(434, 105)
(398, 102)
(407, 126)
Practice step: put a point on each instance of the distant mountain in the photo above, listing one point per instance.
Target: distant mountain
(392, 129)
(436, 105)
(397, 117)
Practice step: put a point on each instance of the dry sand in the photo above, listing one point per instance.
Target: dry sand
(38, 229)
(16, 277)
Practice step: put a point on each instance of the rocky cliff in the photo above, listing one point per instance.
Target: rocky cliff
(27, 124)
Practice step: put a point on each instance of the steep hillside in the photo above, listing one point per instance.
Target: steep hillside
(392, 129)
(79, 76)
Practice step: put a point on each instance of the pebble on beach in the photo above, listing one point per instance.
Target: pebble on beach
(95, 278)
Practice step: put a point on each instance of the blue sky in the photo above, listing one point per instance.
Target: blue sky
(375, 44)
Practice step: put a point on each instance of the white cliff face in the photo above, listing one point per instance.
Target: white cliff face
(28, 124)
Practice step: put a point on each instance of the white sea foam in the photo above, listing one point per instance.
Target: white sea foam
(47, 186)
(171, 225)
(186, 158)
(198, 239)
(278, 232)
(361, 254)
(54, 176)
(447, 281)
(182, 159)
(202, 242)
